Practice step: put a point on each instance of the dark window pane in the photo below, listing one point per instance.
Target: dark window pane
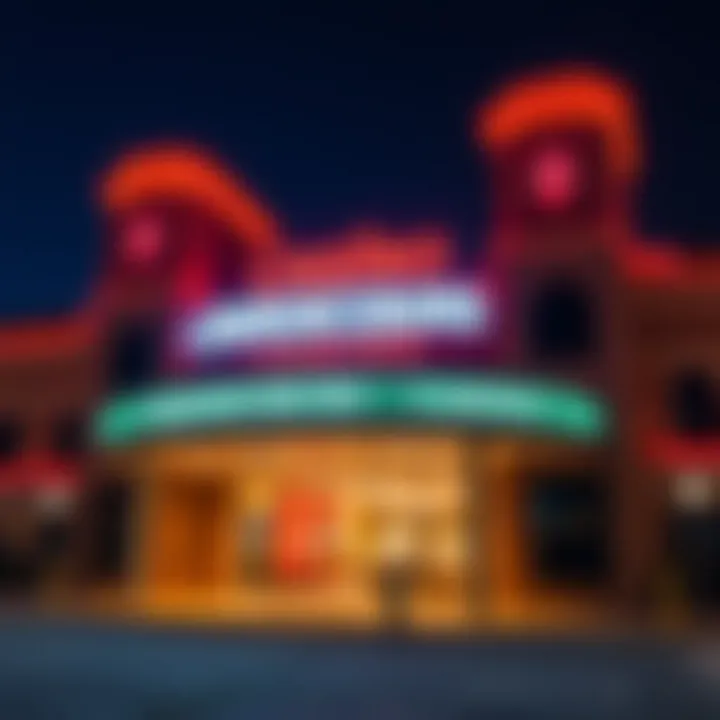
(18, 563)
(10, 438)
(562, 323)
(135, 355)
(568, 522)
(70, 436)
(692, 402)
(696, 550)
(109, 512)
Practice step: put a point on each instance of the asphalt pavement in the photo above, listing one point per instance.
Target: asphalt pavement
(57, 669)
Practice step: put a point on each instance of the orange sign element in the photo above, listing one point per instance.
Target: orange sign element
(365, 255)
(300, 547)
(568, 97)
(182, 173)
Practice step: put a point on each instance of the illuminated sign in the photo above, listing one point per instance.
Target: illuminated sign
(444, 309)
(465, 400)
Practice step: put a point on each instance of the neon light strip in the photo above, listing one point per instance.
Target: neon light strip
(463, 400)
(446, 309)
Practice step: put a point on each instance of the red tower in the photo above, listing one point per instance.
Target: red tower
(181, 230)
(564, 158)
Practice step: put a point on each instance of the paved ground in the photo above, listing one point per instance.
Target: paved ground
(76, 670)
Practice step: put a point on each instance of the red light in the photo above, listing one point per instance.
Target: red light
(555, 179)
(143, 241)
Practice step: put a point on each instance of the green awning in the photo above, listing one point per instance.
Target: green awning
(431, 399)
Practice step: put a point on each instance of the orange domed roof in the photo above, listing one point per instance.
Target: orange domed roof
(569, 96)
(179, 172)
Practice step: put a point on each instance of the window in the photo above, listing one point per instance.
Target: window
(695, 549)
(18, 560)
(563, 325)
(10, 438)
(134, 355)
(693, 403)
(568, 521)
(108, 513)
(69, 436)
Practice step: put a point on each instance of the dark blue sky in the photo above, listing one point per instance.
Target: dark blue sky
(333, 115)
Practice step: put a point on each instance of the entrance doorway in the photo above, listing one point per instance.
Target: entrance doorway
(189, 535)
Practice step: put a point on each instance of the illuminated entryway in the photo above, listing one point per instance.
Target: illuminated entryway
(423, 529)
(361, 528)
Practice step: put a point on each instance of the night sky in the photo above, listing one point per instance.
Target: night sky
(334, 115)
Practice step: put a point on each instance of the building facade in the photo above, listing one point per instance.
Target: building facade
(362, 429)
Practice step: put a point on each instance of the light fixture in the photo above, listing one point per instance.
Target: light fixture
(693, 491)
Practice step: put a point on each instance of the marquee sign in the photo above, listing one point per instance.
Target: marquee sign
(464, 400)
(420, 311)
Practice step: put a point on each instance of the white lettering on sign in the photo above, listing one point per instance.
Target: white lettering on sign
(440, 310)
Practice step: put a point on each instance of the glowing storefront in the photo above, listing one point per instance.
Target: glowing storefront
(350, 430)
(350, 495)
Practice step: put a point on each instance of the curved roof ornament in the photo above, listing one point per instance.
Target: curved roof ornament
(569, 96)
(186, 173)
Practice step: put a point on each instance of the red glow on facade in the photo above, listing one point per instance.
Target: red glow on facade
(185, 174)
(555, 179)
(193, 280)
(572, 96)
(34, 471)
(359, 256)
(49, 339)
(672, 453)
(143, 241)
